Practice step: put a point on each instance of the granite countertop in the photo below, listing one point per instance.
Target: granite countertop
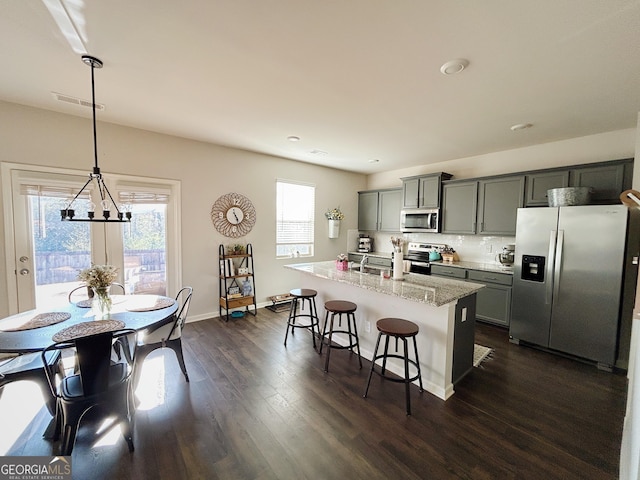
(433, 291)
(485, 267)
(374, 254)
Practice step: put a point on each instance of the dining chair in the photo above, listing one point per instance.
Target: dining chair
(167, 336)
(29, 366)
(76, 294)
(96, 381)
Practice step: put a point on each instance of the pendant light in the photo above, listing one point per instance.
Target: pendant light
(106, 200)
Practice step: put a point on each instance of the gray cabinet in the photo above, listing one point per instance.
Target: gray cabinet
(537, 185)
(459, 207)
(385, 262)
(379, 210)
(607, 182)
(498, 202)
(423, 191)
(368, 210)
(493, 303)
(447, 271)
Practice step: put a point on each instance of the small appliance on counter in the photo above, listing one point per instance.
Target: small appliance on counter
(365, 244)
(506, 257)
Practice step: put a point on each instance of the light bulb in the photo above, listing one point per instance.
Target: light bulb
(105, 208)
(91, 209)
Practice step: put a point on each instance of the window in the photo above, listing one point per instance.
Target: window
(295, 210)
(144, 240)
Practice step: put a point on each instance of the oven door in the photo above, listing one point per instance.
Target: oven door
(423, 268)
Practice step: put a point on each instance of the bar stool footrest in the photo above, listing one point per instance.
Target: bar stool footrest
(395, 377)
(353, 340)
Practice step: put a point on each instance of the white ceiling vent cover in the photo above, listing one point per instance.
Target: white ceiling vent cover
(61, 97)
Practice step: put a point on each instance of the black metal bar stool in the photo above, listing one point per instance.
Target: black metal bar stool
(339, 307)
(300, 295)
(399, 329)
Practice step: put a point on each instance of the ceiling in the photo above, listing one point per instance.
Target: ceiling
(357, 80)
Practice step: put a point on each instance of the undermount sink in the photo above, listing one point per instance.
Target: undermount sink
(367, 269)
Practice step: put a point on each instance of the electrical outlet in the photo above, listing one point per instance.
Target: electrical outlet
(367, 326)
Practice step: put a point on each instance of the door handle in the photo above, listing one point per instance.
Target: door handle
(551, 260)
(558, 265)
(24, 259)
(24, 271)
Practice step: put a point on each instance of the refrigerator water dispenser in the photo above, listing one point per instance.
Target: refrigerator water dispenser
(533, 268)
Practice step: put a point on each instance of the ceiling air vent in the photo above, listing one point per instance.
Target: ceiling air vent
(61, 97)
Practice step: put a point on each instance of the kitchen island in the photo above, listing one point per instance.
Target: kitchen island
(444, 310)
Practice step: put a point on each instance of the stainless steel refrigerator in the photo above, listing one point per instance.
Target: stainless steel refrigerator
(574, 280)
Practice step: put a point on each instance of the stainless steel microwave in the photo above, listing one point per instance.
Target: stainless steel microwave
(420, 220)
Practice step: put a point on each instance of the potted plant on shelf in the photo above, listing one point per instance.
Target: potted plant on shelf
(334, 216)
(236, 249)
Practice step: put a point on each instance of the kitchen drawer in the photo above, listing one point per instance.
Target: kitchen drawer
(452, 272)
(371, 260)
(490, 277)
(380, 261)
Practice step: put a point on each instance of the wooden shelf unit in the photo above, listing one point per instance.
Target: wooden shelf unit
(230, 280)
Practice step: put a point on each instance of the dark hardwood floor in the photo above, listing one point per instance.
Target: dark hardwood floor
(257, 410)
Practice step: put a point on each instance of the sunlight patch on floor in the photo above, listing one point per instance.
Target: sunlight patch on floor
(108, 433)
(19, 404)
(151, 388)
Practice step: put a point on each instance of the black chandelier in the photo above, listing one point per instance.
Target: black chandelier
(106, 200)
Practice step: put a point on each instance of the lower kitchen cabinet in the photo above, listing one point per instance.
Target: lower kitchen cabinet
(493, 303)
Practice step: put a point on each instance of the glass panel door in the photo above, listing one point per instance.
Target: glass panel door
(60, 250)
(145, 250)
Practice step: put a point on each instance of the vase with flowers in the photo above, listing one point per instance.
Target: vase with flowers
(99, 278)
(334, 216)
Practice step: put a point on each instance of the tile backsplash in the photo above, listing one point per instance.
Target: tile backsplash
(470, 248)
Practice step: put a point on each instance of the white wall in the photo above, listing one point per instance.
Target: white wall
(40, 137)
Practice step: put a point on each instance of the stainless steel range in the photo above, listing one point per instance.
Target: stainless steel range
(420, 255)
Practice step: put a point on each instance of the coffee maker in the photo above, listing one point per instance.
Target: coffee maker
(365, 244)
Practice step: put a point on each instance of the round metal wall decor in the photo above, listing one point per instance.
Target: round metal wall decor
(233, 215)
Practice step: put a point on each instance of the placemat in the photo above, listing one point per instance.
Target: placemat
(160, 303)
(88, 303)
(41, 320)
(85, 329)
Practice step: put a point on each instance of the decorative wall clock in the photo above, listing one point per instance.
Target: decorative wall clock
(233, 215)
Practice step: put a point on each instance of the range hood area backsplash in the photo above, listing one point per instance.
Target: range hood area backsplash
(470, 248)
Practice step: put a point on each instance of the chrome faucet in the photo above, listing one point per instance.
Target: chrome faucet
(363, 262)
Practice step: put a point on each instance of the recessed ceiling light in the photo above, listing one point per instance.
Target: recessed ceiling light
(319, 152)
(454, 66)
(520, 126)
(293, 138)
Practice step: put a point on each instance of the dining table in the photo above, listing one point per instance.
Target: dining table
(34, 330)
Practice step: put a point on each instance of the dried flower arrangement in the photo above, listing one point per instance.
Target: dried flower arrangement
(334, 214)
(98, 276)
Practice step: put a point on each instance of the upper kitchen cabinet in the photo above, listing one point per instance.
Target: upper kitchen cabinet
(498, 203)
(607, 181)
(487, 206)
(459, 207)
(379, 210)
(423, 191)
(538, 184)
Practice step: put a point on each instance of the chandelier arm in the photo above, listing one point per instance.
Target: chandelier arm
(81, 190)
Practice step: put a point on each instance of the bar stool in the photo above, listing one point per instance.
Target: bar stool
(399, 329)
(339, 307)
(300, 295)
